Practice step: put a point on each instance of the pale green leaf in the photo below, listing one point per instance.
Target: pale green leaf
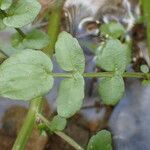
(69, 54)
(21, 13)
(70, 96)
(101, 141)
(113, 29)
(16, 41)
(5, 4)
(58, 124)
(7, 49)
(127, 53)
(111, 90)
(34, 40)
(113, 56)
(144, 68)
(26, 75)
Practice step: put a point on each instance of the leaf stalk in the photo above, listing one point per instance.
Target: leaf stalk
(138, 75)
(65, 137)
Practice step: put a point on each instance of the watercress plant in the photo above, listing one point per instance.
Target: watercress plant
(28, 74)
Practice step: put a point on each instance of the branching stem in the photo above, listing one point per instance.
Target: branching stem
(65, 137)
(139, 75)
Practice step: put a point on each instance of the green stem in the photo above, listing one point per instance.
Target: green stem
(65, 137)
(54, 26)
(146, 10)
(17, 29)
(28, 125)
(139, 75)
(20, 32)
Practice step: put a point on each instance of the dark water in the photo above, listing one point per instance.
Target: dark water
(130, 119)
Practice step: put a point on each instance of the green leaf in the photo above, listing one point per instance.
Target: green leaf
(58, 124)
(26, 75)
(5, 4)
(69, 54)
(34, 40)
(7, 49)
(113, 56)
(17, 41)
(101, 141)
(144, 68)
(113, 29)
(146, 82)
(21, 13)
(70, 96)
(111, 90)
(127, 53)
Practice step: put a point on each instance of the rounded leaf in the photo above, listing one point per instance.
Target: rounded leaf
(58, 124)
(144, 68)
(34, 40)
(69, 54)
(113, 56)
(26, 75)
(101, 141)
(70, 96)
(21, 13)
(111, 90)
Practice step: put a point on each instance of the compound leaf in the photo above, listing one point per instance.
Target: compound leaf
(70, 96)
(21, 13)
(111, 89)
(101, 141)
(69, 54)
(26, 75)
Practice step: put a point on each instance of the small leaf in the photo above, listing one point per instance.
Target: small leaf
(146, 82)
(21, 13)
(111, 90)
(113, 56)
(144, 68)
(101, 141)
(69, 54)
(5, 4)
(26, 75)
(113, 29)
(33, 40)
(70, 96)
(58, 124)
